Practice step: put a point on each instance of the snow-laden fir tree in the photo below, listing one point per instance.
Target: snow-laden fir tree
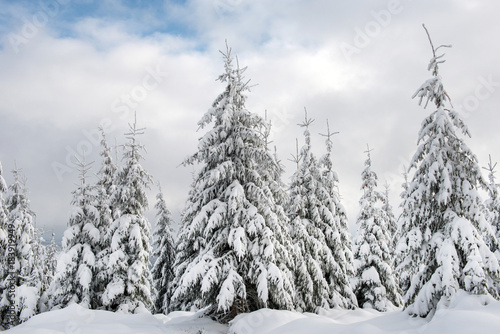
(310, 249)
(392, 225)
(47, 263)
(130, 287)
(104, 203)
(335, 228)
(20, 258)
(399, 257)
(164, 251)
(75, 272)
(443, 222)
(232, 252)
(493, 204)
(321, 280)
(43, 270)
(374, 283)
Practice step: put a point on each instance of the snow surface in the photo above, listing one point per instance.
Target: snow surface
(466, 314)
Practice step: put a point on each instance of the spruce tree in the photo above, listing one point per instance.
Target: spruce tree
(317, 220)
(314, 258)
(130, 287)
(374, 283)
(232, 254)
(47, 264)
(335, 228)
(75, 273)
(164, 251)
(443, 221)
(43, 272)
(392, 225)
(20, 257)
(105, 188)
(404, 277)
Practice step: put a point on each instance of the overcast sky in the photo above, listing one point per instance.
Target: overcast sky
(67, 66)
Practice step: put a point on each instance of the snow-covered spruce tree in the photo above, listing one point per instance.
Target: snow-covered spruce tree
(443, 222)
(20, 258)
(392, 225)
(310, 249)
(232, 252)
(130, 286)
(320, 280)
(335, 228)
(374, 283)
(75, 270)
(403, 277)
(104, 188)
(164, 251)
(47, 264)
(493, 203)
(43, 271)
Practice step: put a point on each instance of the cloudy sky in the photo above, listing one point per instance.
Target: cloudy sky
(68, 66)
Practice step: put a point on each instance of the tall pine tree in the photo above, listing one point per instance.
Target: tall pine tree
(75, 273)
(47, 265)
(105, 188)
(443, 221)
(130, 286)
(20, 257)
(233, 245)
(374, 284)
(335, 228)
(392, 225)
(313, 258)
(164, 251)
(322, 264)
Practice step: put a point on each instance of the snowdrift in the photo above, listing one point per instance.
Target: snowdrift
(465, 314)
(75, 319)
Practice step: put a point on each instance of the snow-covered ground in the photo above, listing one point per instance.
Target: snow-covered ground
(466, 314)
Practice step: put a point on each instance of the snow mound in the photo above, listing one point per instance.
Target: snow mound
(465, 314)
(79, 320)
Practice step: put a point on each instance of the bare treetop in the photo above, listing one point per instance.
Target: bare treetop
(297, 157)
(307, 121)
(329, 134)
(368, 150)
(435, 61)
